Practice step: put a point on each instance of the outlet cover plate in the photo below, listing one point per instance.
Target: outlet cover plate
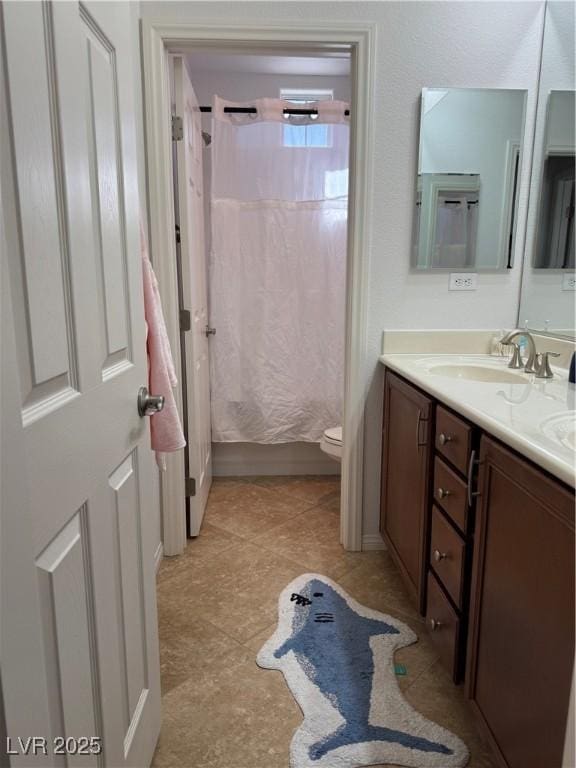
(463, 281)
(569, 282)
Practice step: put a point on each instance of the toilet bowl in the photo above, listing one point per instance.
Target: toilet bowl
(331, 443)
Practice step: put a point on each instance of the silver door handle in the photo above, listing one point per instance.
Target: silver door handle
(149, 404)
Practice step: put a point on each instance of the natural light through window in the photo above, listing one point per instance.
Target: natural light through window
(309, 135)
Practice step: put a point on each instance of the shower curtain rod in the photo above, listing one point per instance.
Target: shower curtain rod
(254, 111)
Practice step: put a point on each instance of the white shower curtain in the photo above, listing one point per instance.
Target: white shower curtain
(277, 271)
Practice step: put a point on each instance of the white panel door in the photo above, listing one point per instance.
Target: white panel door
(79, 628)
(194, 292)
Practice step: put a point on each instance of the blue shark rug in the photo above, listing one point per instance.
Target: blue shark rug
(338, 660)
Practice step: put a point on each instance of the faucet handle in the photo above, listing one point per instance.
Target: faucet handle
(543, 370)
(516, 359)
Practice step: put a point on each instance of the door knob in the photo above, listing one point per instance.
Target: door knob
(434, 624)
(149, 404)
(443, 439)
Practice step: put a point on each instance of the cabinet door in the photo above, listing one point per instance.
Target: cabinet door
(406, 468)
(521, 646)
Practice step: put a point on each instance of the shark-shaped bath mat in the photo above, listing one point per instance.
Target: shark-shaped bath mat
(338, 660)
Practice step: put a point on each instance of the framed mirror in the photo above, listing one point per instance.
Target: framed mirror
(469, 166)
(547, 301)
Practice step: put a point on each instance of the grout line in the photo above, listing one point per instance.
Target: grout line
(263, 533)
(422, 671)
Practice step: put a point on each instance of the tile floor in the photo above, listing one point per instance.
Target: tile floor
(217, 606)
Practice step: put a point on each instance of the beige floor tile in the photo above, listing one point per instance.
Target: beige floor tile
(332, 502)
(232, 716)
(416, 658)
(237, 591)
(314, 488)
(437, 698)
(187, 648)
(221, 486)
(248, 510)
(376, 583)
(217, 606)
(257, 641)
(312, 540)
(211, 542)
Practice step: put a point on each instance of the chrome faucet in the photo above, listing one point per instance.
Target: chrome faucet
(516, 361)
(544, 371)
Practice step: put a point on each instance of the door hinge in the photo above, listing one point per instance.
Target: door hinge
(190, 486)
(185, 320)
(177, 128)
(177, 228)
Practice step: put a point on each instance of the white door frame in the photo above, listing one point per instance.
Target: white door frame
(161, 37)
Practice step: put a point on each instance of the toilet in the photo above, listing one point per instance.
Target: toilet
(331, 443)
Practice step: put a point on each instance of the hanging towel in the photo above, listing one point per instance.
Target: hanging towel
(166, 434)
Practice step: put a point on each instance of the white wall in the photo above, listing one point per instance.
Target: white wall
(244, 459)
(434, 44)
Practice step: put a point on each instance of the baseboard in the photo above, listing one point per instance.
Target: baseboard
(158, 555)
(372, 542)
(245, 459)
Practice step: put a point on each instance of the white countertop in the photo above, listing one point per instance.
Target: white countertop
(536, 417)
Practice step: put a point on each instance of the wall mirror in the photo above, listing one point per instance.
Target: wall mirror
(469, 165)
(554, 246)
(547, 302)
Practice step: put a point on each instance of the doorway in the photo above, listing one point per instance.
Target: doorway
(261, 151)
(159, 43)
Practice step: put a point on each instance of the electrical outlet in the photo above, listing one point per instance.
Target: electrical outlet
(569, 282)
(463, 281)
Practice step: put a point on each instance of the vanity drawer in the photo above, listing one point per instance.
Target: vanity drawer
(450, 492)
(447, 551)
(444, 627)
(453, 439)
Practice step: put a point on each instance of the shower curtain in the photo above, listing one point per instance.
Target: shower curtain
(277, 271)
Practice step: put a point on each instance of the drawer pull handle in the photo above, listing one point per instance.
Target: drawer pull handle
(434, 624)
(442, 493)
(418, 423)
(438, 556)
(469, 492)
(443, 439)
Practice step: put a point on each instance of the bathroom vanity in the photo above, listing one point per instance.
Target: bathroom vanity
(477, 510)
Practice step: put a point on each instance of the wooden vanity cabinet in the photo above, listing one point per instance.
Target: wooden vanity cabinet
(406, 472)
(521, 638)
(490, 561)
(451, 537)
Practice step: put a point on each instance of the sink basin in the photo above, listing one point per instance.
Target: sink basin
(561, 429)
(478, 373)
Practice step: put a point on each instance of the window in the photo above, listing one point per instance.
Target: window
(309, 135)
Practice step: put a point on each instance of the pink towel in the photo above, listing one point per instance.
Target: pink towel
(166, 433)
